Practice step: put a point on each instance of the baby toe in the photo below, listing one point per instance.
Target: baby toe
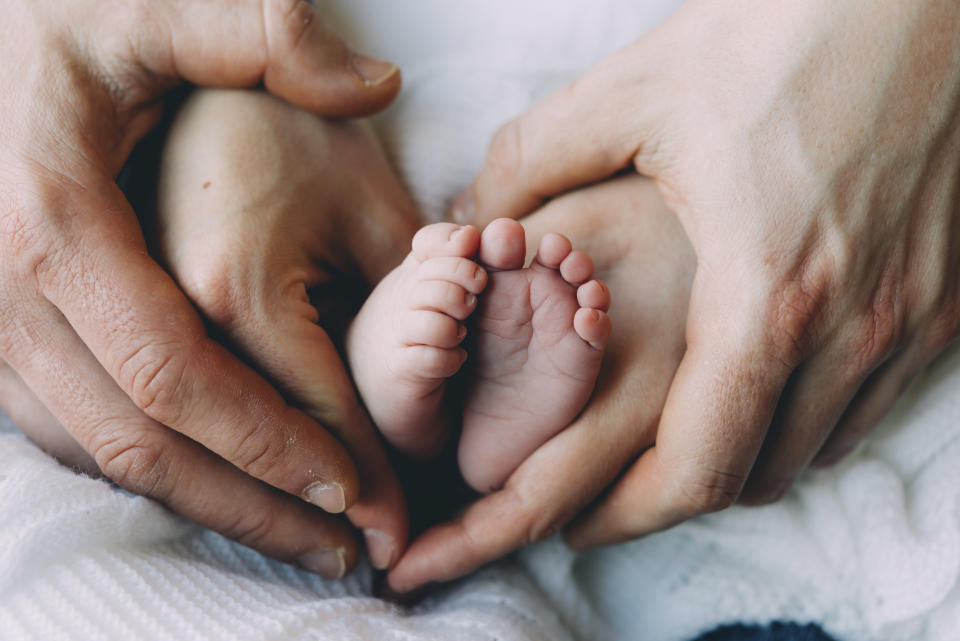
(553, 249)
(576, 268)
(593, 326)
(595, 294)
(459, 271)
(430, 362)
(433, 329)
(445, 239)
(444, 297)
(503, 245)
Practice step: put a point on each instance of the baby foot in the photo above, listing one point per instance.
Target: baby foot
(538, 339)
(404, 343)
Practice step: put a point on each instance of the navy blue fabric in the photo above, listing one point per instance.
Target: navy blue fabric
(773, 632)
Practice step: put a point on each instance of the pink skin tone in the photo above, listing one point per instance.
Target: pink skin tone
(538, 335)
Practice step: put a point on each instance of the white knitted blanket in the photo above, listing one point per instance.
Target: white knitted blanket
(871, 550)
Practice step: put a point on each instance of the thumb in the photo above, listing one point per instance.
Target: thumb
(584, 133)
(281, 43)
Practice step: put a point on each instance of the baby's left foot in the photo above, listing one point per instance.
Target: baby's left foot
(538, 340)
(404, 343)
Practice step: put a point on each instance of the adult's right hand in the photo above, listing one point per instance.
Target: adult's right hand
(94, 327)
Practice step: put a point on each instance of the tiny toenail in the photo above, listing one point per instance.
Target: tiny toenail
(471, 300)
(478, 275)
(454, 233)
(462, 332)
(595, 314)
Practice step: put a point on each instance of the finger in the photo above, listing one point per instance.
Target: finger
(282, 43)
(813, 401)
(537, 498)
(595, 138)
(879, 393)
(298, 355)
(39, 424)
(151, 341)
(716, 415)
(146, 458)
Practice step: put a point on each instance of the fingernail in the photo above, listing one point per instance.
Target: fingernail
(327, 496)
(461, 211)
(471, 300)
(330, 563)
(380, 548)
(373, 72)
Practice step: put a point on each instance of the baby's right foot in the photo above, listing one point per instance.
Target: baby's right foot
(404, 343)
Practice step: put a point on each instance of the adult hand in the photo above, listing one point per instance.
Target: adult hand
(811, 151)
(641, 252)
(94, 327)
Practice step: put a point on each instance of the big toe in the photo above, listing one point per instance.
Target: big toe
(442, 240)
(503, 245)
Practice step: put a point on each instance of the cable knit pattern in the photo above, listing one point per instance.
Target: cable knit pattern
(871, 549)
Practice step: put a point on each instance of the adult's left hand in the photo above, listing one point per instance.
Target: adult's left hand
(811, 151)
(273, 253)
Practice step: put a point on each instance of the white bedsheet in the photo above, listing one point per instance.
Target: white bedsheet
(871, 550)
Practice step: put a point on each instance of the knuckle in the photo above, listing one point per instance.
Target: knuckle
(253, 529)
(26, 241)
(546, 523)
(154, 376)
(210, 282)
(792, 312)
(879, 333)
(297, 17)
(261, 450)
(134, 461)
(539, 519)
(703, 491)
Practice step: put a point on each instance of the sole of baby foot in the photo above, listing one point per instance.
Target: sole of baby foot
(405, 342)
(537, 343)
